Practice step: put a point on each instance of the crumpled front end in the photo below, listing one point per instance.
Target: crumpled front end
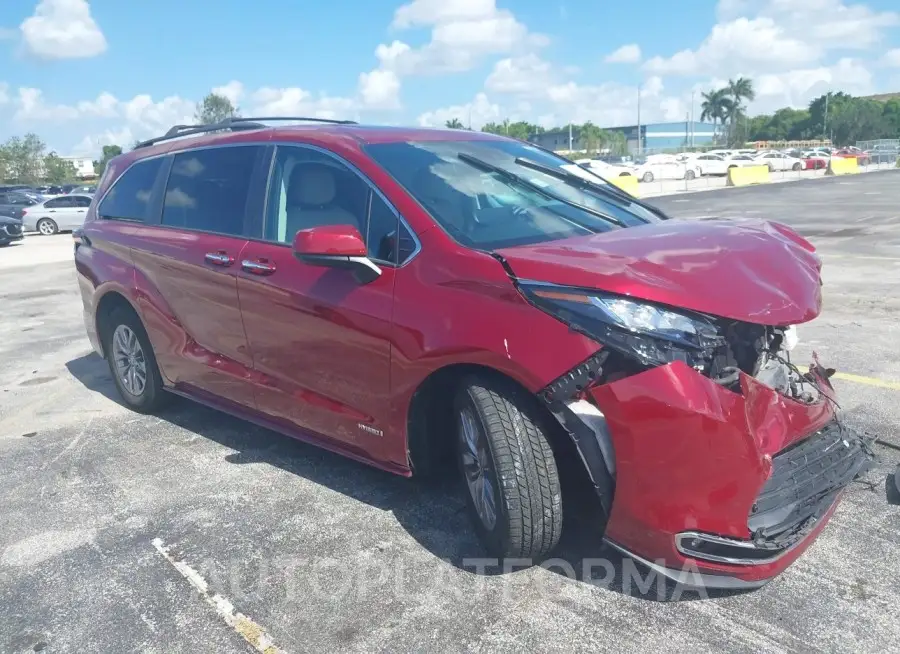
(732, 482)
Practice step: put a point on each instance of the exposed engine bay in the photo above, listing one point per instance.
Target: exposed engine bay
(763, 353)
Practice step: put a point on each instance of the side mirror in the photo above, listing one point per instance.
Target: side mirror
(336, 246)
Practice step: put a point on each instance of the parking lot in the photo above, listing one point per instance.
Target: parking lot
(707, 183)
(192, 531)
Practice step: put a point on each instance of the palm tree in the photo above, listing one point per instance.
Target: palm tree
(716, 106)
(455, 123)
(738, 90)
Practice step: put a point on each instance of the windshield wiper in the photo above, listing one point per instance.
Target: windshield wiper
(610, 190)
(489, 167)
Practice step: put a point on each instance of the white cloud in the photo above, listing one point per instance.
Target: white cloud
(31, 108)
(380, 89)
(295, 101)
(528, 75)
(743, 43)
(627, 54)
(429, 12)
(234, 91)
(797, 88)
(477, 112)
(892, 58)
(62, 29)
(779, 35)
(463, 34)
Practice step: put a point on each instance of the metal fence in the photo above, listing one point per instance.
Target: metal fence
(880, 144)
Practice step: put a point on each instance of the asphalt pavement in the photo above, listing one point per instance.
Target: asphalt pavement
(191, 531)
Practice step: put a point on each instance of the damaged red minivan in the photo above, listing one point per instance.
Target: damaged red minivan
(399, 294)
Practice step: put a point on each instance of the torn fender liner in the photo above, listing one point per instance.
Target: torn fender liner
(585, 423)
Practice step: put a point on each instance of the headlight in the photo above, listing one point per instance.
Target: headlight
(653, 334)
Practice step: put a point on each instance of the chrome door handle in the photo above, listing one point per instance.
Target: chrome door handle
(258, 267)
(219, 258)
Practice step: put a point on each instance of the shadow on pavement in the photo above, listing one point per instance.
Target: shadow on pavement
(433, 511)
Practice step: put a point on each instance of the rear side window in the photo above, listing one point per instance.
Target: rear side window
(59, 203)
(129, 197)
(82, 202)
(208, 189)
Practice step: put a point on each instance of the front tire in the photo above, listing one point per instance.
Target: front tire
(508, 469)
(798, 166)
(689, 175)
(47, 227)
(648, 177)
(132, 362)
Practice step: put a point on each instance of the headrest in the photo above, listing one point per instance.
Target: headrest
(311, 184)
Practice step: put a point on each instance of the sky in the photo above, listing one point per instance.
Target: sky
(84, 74)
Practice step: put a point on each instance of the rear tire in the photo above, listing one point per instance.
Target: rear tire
(797, 166)
(648, 177)
(47, 227)
(128, 352)
(689, 175)
(500, 442)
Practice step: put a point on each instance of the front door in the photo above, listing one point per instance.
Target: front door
(321, 340)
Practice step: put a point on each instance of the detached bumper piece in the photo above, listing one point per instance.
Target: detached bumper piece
(806, 479)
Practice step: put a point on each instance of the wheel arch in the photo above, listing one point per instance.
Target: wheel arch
(430, 424)
(430, 420)
(109, 302)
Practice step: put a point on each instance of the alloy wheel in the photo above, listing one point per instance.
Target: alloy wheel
(129, 359)
(47, 228)
(477, 469)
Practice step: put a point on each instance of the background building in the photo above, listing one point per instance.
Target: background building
(653, 137)
(83, 167)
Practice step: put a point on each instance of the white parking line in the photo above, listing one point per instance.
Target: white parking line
(249, 630)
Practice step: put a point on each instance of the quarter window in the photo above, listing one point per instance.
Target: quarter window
(129, 197)
(208, 189)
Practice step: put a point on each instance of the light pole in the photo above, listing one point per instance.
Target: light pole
(639, 146)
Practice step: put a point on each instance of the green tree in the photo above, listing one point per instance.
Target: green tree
(591, 137)
(58, 170)
(891, 115)
(716, 106)
(215, 108)
(454, 123)
(109, 151)
(24, 158)
(738, 91)
(856, 120)
(786, 124)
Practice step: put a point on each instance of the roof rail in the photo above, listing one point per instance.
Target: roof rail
(234, 123)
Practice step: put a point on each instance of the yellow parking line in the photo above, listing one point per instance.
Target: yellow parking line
(869, 381)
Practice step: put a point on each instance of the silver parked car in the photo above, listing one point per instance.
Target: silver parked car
(63, 213)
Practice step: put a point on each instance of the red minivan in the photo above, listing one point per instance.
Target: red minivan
(404, 296)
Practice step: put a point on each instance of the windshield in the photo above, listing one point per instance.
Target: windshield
(514, 205)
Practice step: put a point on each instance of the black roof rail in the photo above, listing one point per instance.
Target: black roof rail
(232, 124)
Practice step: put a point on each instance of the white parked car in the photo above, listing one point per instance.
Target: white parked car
(62, 213)
(665, 167)
(716, 164)
(779, 161)
(606, 170)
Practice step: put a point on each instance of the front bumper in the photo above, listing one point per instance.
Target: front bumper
(732, 486)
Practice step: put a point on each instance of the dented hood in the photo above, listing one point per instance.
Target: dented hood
(754, 271)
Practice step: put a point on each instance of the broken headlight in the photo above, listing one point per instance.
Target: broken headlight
(652, 334)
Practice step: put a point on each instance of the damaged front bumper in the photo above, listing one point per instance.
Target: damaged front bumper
(710, 486)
